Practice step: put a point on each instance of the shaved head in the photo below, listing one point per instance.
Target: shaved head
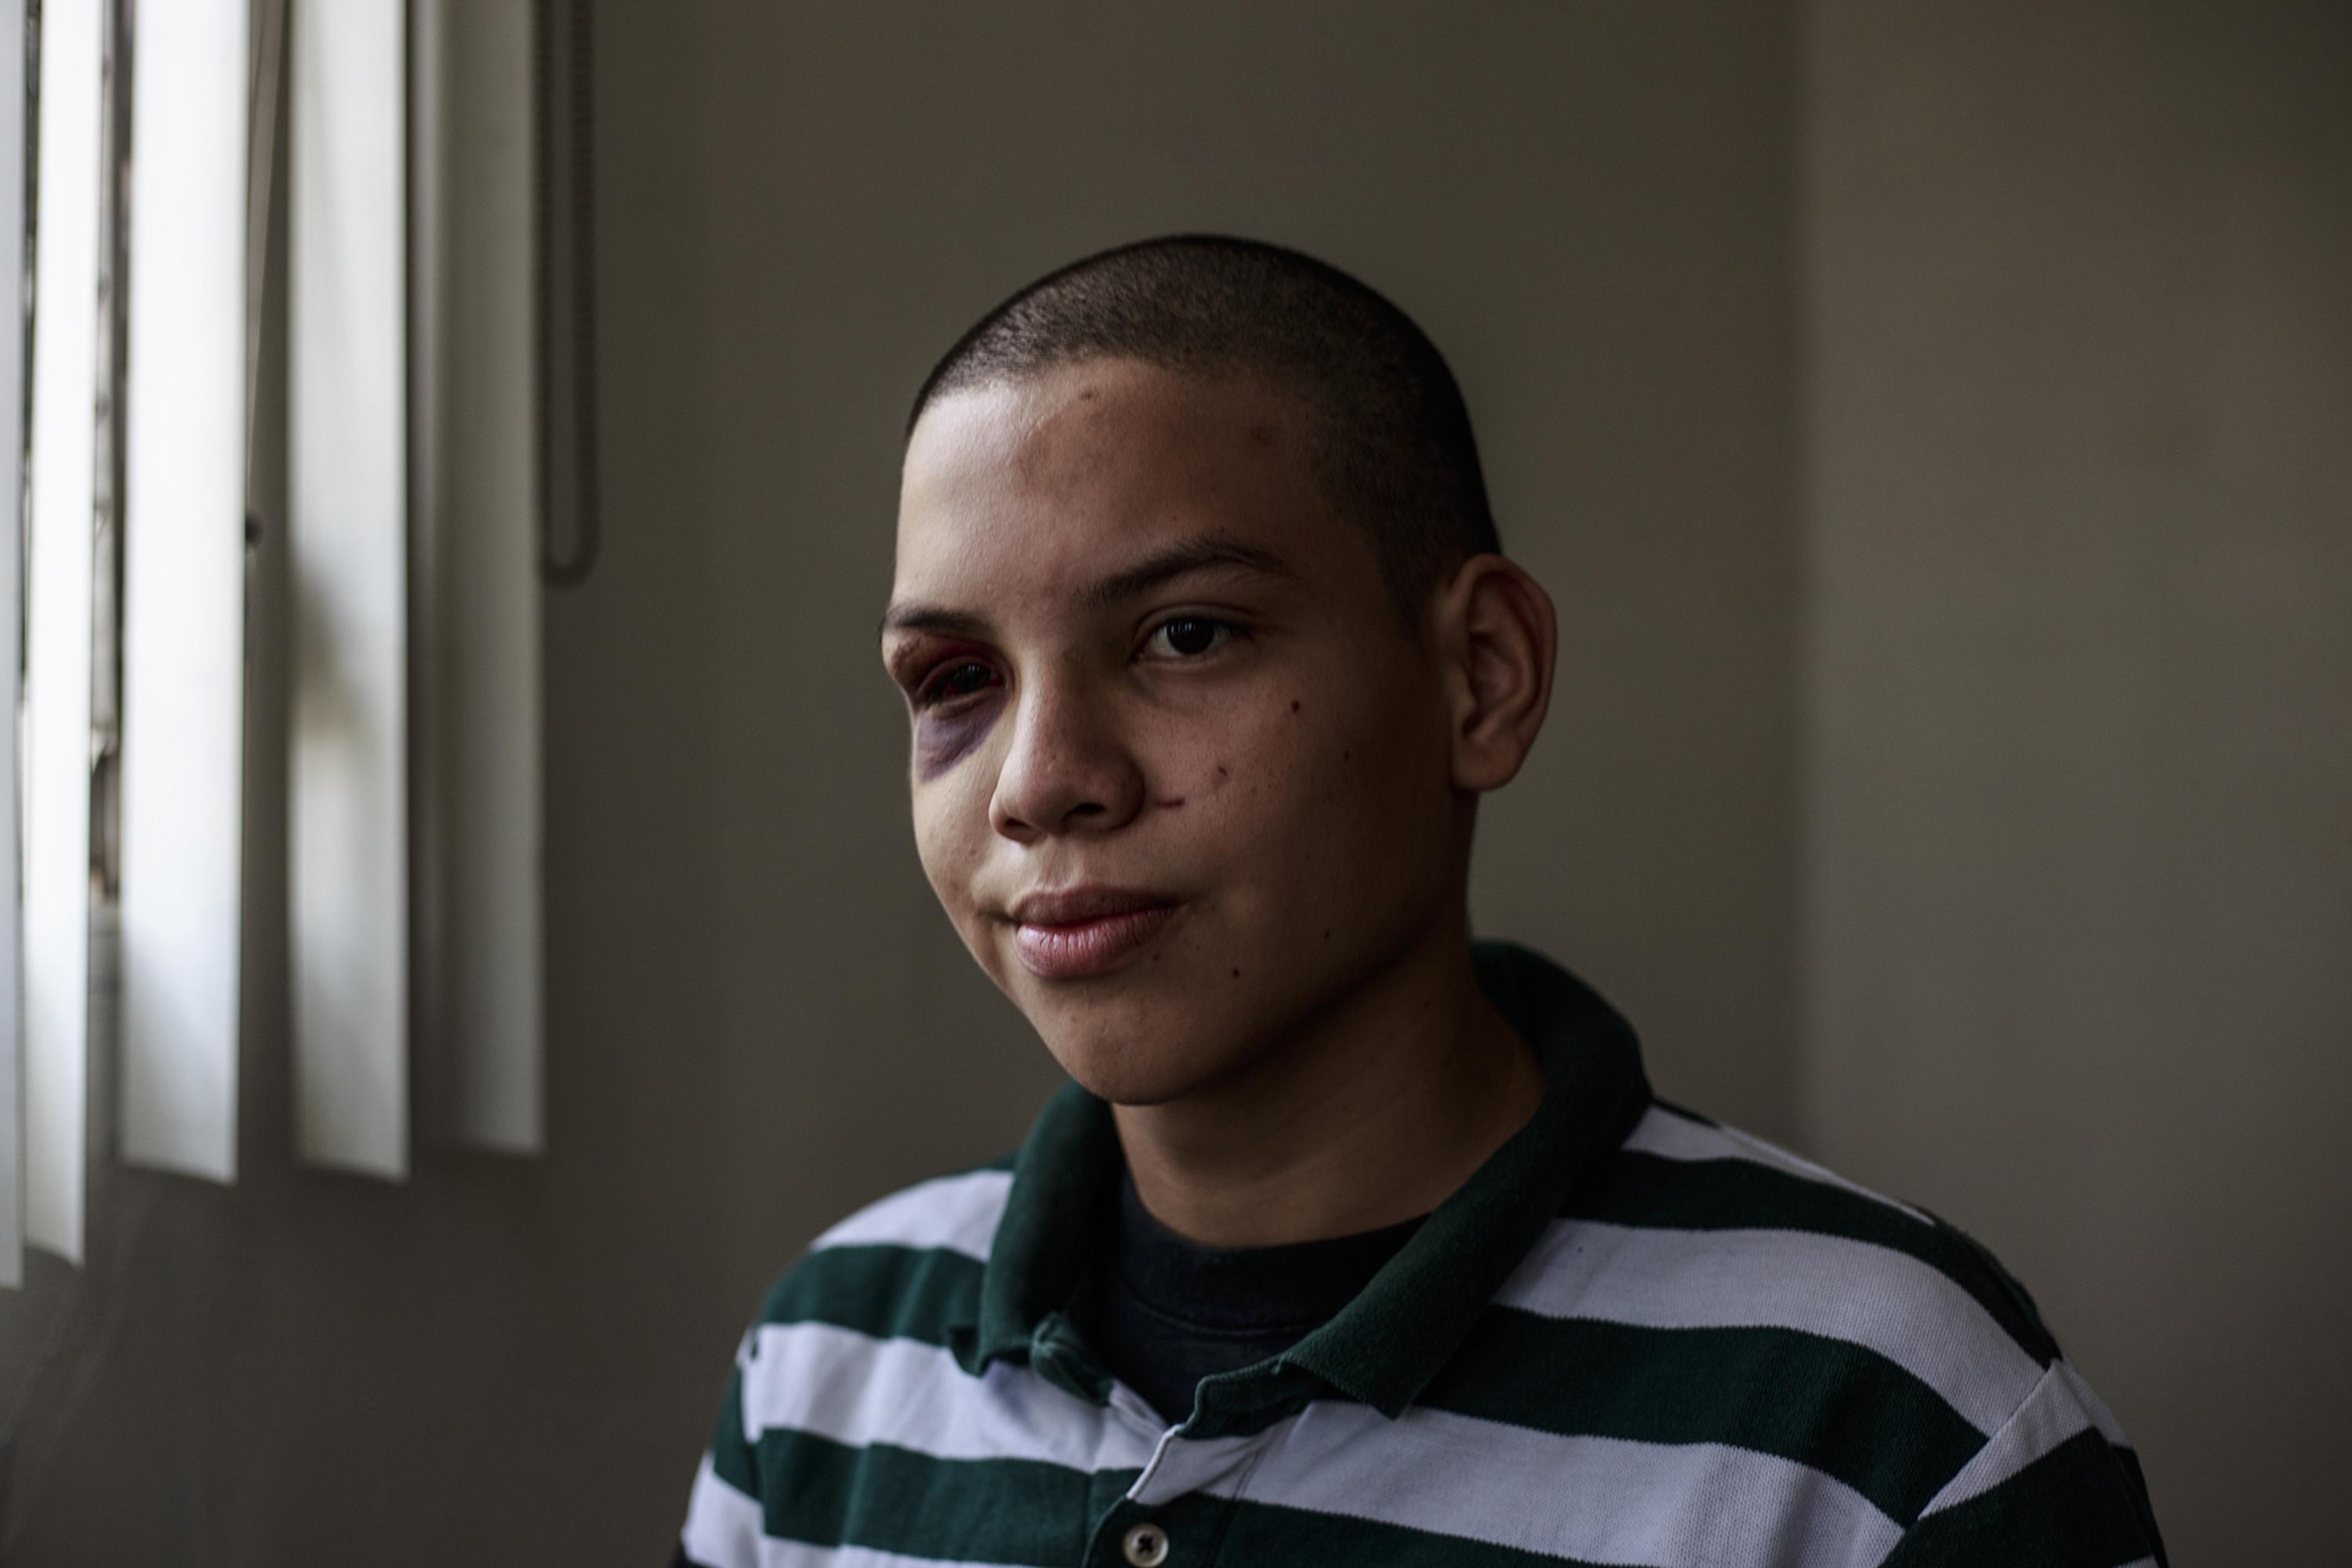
(1385, 425)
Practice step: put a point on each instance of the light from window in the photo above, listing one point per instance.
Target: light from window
(348, 543)
(57, 725)
(13, 102)
(183, 587)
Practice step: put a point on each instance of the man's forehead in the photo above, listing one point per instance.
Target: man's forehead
(1071, 421)
(1075, 469)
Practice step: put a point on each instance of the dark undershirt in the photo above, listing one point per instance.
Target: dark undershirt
(1162, 1311)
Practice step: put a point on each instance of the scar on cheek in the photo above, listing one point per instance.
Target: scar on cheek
(1174, 802)
(942, 743)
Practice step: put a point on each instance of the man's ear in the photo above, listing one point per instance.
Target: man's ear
(1497, 634)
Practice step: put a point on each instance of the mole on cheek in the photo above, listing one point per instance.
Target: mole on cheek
(1294, 705)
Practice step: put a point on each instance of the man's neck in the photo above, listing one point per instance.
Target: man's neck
(1373, 1113)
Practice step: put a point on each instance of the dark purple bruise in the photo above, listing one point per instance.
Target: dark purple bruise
(941, 742)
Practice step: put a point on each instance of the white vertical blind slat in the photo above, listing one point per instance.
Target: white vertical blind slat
(348, 543)
(57, 644)
(477, 294)
(12, 479)
(184, 588)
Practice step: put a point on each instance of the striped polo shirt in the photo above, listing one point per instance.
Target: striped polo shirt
(1632, 1336)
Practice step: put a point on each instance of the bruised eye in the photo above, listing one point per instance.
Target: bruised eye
(954, 681)
(1189, 637)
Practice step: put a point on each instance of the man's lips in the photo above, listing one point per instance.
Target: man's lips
(1079, 931)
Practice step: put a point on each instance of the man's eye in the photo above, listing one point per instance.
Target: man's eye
(1189, 637)
(954, 681)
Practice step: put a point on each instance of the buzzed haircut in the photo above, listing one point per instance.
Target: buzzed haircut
(1388, 434)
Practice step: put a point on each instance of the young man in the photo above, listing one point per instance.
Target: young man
(1352, 1240)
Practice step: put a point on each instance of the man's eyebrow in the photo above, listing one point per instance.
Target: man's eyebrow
(1199, 553)
(1202, 552)
(913, 617)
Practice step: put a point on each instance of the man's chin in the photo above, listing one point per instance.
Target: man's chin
(1132, 1068)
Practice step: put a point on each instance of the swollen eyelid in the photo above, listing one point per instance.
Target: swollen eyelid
(964, 677)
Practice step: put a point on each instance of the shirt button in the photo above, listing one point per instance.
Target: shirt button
(1146, 1546)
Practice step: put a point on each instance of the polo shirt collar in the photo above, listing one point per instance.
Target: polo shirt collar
(1385, 1345)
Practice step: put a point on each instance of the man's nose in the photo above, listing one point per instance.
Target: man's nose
(1069, 769)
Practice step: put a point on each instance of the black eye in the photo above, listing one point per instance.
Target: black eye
(1188, 636)
(955, 680)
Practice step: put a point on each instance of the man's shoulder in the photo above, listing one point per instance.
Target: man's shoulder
(1690, 1225)
(910, 1256)
(1678, 1167)
(1709, 1286)
(1704, 1297)
(958, 1210)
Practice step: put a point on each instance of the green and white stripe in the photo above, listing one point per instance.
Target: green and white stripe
(1634, 1338)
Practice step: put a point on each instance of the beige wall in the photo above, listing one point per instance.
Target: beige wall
(757, 1019)
(2078, 684)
